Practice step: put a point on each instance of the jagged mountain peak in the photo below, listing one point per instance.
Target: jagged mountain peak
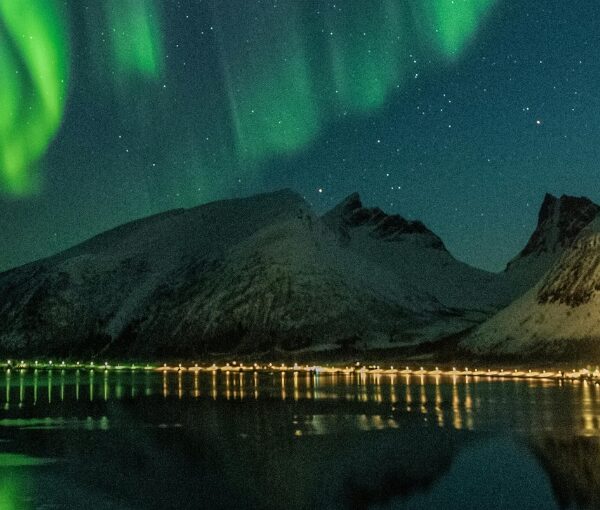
(560, 220)
(350, 213)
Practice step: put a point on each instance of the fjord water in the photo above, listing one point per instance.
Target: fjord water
(153, 440)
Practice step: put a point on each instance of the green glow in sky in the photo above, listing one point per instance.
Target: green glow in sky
(34, 71)
(287, 77)
(453, 23)
(136, 34)
(366, 58)
(279, 112)
(273, 108)
(288, 71)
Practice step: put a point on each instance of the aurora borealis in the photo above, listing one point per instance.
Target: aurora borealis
(136, 38)
(275, 100)
(461, 113)
(34, 65)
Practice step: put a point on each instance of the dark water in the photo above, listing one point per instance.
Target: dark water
(122, 440)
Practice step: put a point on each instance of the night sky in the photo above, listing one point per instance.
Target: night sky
(460, 113)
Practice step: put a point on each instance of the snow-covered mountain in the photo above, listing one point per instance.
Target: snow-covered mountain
(559, 316)
(415, 255)
(265, 272)
(246, 275)
(560, 221)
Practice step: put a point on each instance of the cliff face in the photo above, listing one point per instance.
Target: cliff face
(560, 221)
(575, 279)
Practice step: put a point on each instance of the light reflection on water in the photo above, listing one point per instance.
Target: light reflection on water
(471, 403)
(335, 441)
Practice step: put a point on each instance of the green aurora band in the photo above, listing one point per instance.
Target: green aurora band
(34, 71)
(451, 24)
(366, 53)
(271, 98)
(136, 34)
(286, 73)
(299, 73)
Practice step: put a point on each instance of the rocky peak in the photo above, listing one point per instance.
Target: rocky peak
(350, 214)
(560, 221)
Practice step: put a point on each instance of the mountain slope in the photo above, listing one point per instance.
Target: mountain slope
(416, 255)
(559, 316)
(238, 275)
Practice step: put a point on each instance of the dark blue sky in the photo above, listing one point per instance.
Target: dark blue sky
(467, 140)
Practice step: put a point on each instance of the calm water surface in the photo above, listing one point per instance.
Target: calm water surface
(148, 440)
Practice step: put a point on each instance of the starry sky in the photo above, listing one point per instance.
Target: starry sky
(460, 113)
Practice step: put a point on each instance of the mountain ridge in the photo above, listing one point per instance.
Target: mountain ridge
(257, 272)
(267, 272)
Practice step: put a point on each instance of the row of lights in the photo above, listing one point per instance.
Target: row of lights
(283, 367)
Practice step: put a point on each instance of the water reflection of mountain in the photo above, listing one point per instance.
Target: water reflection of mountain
(489, 472)
(213, 458)
(573, 464)
(166, 440)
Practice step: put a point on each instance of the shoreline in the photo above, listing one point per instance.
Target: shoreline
(561, 372)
